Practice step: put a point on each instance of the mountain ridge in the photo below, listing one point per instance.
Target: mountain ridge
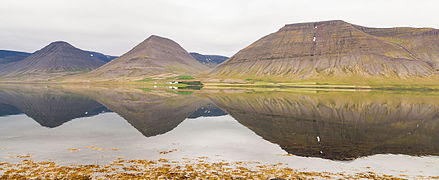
(8, 56)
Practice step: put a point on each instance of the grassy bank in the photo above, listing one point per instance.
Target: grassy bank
(351, 83)
(412, 84)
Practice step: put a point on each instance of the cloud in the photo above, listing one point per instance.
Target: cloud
(206, 26)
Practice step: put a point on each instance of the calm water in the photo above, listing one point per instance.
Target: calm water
(386, 132)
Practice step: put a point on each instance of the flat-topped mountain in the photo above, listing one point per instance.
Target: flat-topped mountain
(55, 60)
(155, 56)
(209, 60)
(336, 49)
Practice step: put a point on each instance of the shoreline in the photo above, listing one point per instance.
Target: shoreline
(198, 168)
(209, 85)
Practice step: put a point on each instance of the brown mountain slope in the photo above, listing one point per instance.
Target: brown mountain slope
(154, 56)
(55, 60)
(334, 49)
(422, 43)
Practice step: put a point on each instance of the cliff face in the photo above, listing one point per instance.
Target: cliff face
(339, 126)
(154, 56)
(336, 49)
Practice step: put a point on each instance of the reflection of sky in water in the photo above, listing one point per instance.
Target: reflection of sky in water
(219, 137)
(194, 137)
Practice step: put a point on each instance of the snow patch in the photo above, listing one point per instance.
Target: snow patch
(314, 39)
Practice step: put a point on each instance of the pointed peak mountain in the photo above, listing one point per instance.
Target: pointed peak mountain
(155, 56)
(60, 43)
(156, 39)
(57, 45)
(155, 42)
(59, 49)
(56, 59)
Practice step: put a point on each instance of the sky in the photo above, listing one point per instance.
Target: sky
(221, 27)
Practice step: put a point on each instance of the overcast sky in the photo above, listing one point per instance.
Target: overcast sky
(207, 26)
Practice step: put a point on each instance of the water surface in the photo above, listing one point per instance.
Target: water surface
(393, 133)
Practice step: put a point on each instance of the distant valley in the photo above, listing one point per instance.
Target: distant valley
(209, 60)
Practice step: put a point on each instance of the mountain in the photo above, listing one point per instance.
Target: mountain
(12, 56)
(155, 56)
(337, 49)
(55, 60)
(7, 56)
(209, 60)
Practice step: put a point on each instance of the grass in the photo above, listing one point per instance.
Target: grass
(336, 85)
(352, 82)
(183, 77)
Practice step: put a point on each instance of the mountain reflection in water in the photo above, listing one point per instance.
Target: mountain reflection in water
(340, 126)
(50, 107)
(330, 125)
